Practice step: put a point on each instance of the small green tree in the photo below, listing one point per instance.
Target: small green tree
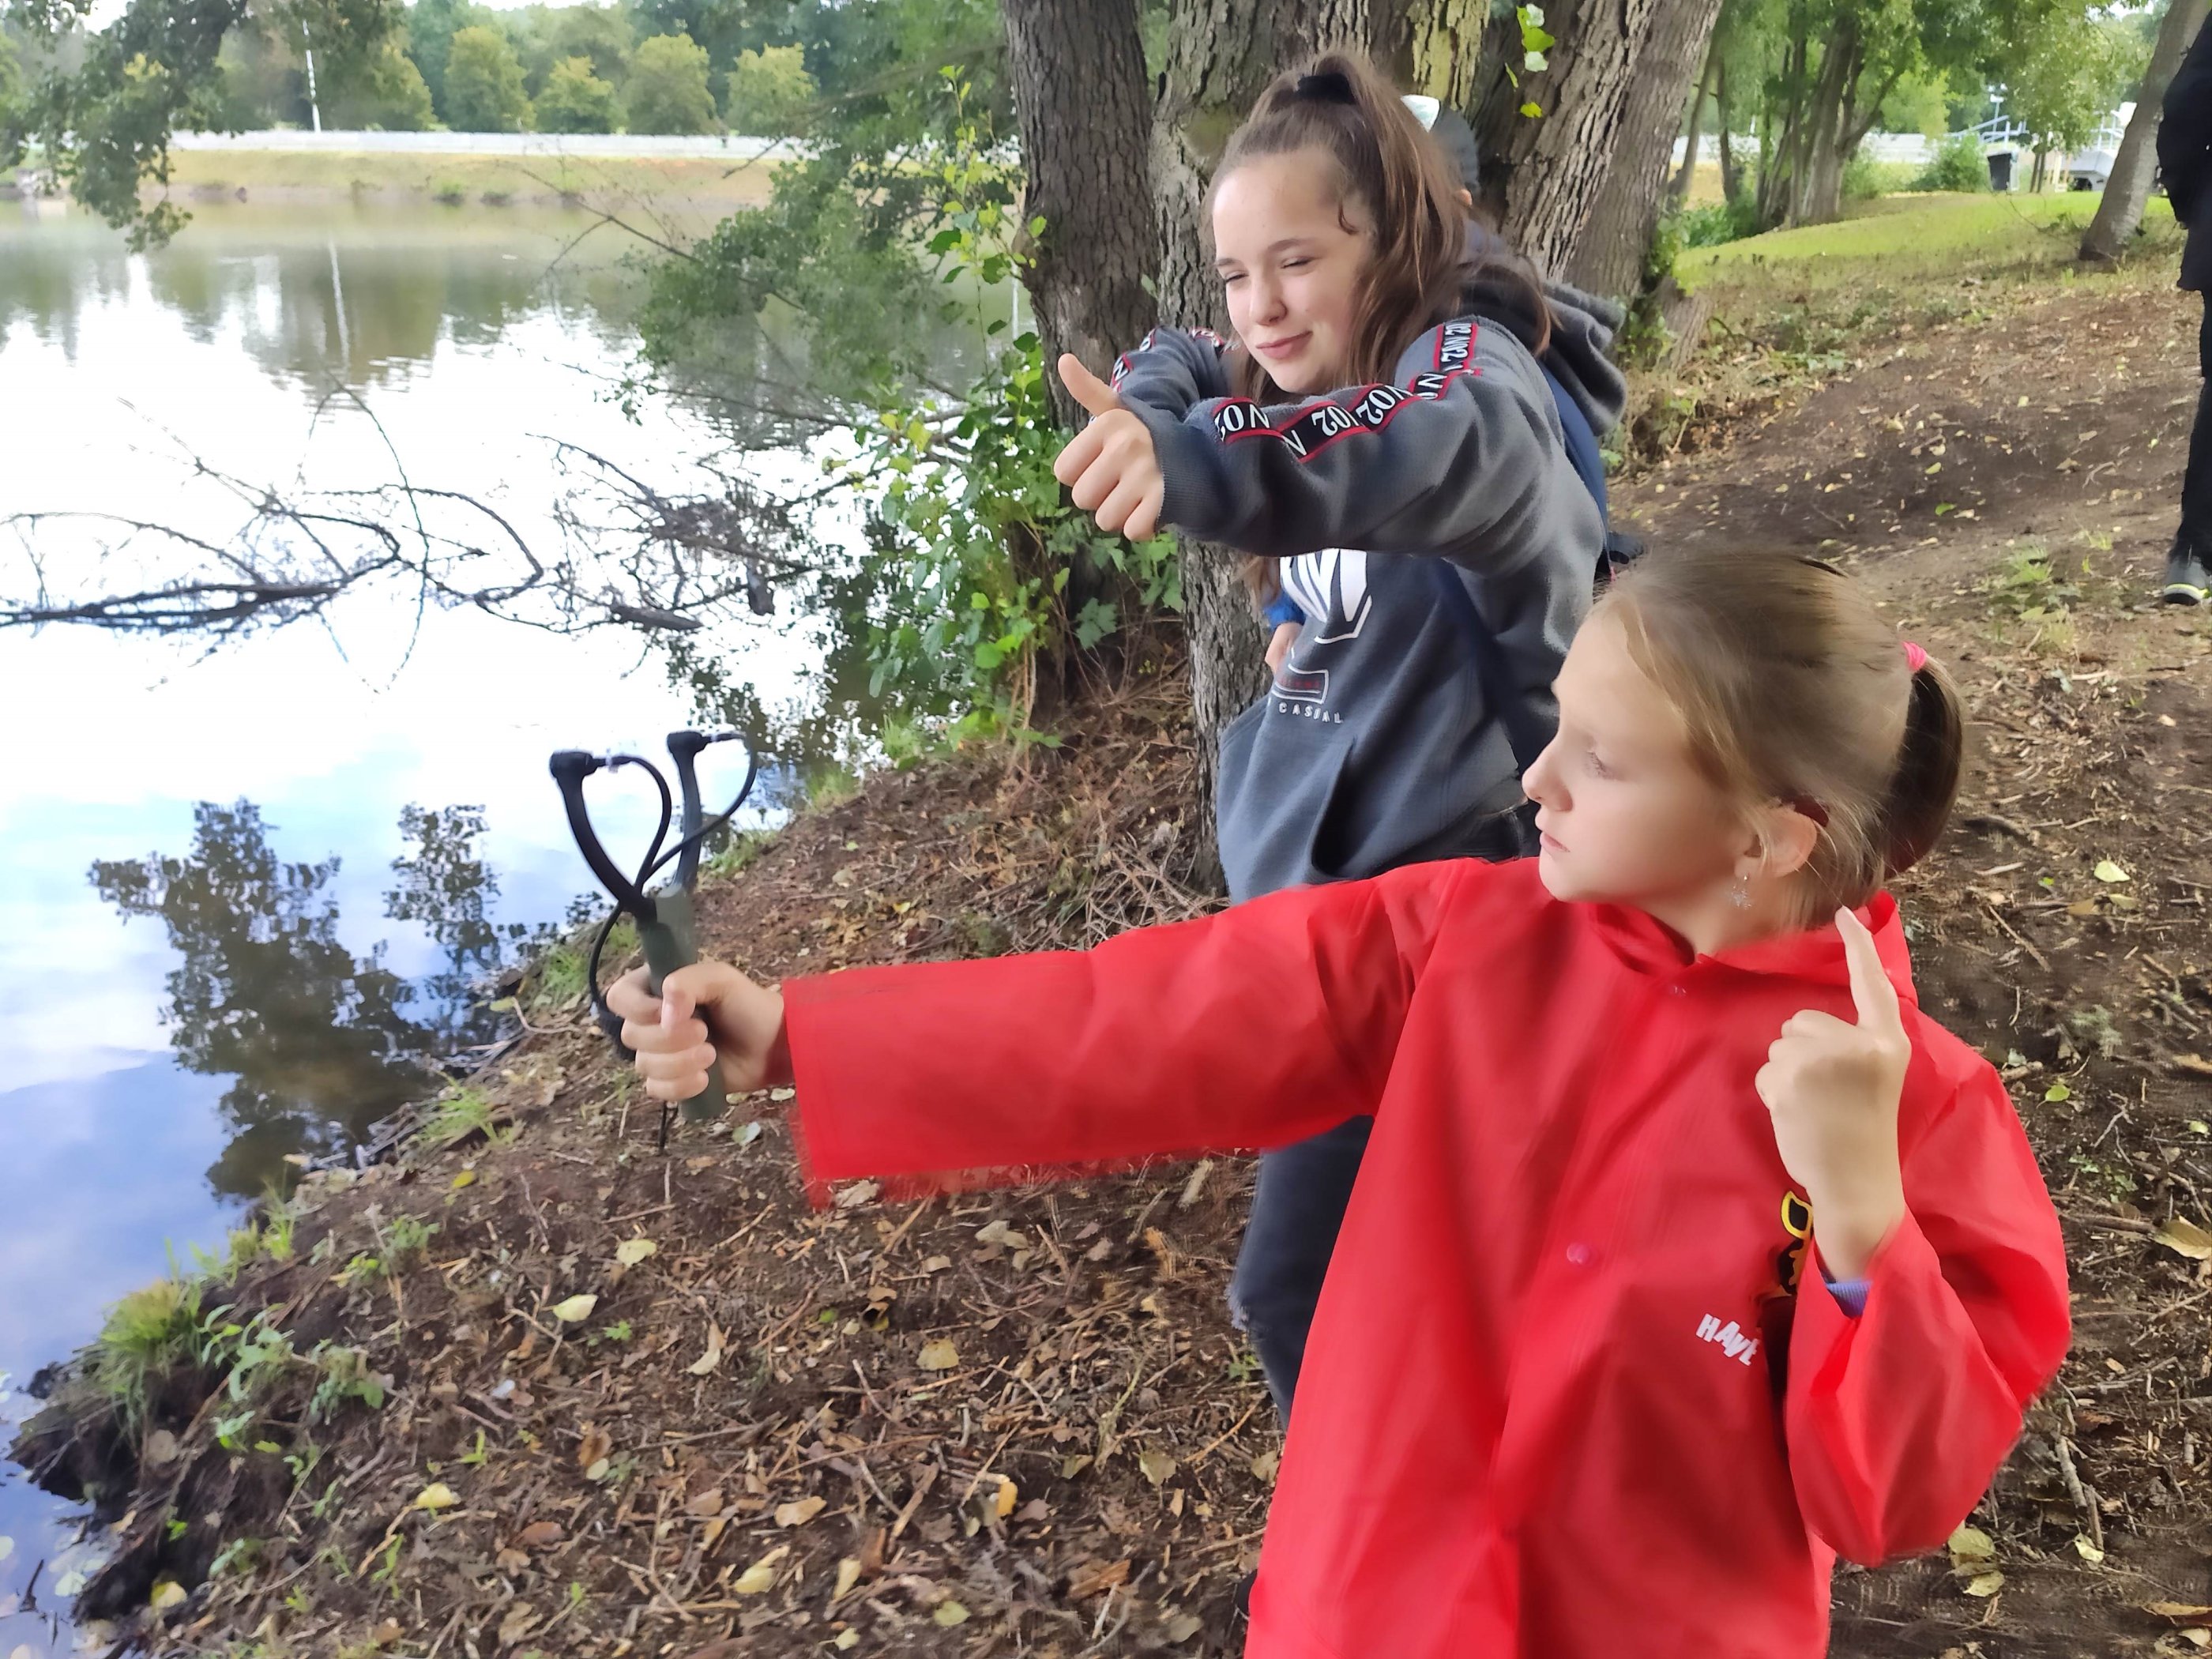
(576, 99)
(483, 84)
(601, 34)
(667, 90)
(388, 95)
(768, 92)
(13, 120)
(431, 27)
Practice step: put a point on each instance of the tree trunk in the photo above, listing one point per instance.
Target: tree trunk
(1077, 73)
(1220, 54)
(1731, 175)
(1817, 194)
(1678, 192)
(1433, 47)
(2129, 188)
(1078, 70)
(1542, 175)
(1609, 255)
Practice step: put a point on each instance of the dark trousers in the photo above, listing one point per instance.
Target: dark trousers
(1297, 1210)
(1298, 1207)
(2196, 482)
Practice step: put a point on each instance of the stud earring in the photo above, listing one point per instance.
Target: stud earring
(1740, 893)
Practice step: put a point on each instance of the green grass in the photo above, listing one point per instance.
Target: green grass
(545, 179)
(147, 1334)
(1902, 238)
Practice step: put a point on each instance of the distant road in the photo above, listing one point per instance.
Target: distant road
(602, 145)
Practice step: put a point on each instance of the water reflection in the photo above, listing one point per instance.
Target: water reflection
(317, 1043)
(363, 293)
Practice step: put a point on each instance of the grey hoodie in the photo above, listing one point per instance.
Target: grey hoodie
(1443, 549)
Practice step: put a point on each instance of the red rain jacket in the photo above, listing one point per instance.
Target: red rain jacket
(1553, 1403)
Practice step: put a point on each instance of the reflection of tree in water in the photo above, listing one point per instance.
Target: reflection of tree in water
(321, 1043)
(446, 890)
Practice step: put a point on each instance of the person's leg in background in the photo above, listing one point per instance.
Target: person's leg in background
(1296, 1213)
(2188, 579)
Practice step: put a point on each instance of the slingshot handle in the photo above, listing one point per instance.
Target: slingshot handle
(669, 944)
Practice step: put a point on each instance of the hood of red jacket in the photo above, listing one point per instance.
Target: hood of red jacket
(1648, 945)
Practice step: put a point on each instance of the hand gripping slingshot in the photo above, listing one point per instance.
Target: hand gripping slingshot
(664, 919)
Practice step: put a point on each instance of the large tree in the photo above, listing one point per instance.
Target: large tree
(1609, 254)
(2121, 209)
(1551, 118)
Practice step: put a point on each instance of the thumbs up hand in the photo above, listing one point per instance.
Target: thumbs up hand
(1110, 467)
(1832, 1088)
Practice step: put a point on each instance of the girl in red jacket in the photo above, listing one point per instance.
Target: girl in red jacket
(1652, 1298)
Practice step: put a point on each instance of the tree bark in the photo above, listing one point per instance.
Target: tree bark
(1434, 46)
(1609, 255)
(1542, 175)
(1731, 175)
(1817, 192)
(1220, 54)
(1078, 70)
(2129, 188)
(1678, 191)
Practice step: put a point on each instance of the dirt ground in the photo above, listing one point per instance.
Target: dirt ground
(1020, 1422)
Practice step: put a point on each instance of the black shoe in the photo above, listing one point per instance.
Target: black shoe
(2187, 581)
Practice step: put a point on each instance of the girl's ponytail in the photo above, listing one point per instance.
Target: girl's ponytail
(1928, 765)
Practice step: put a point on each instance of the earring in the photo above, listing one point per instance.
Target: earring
(1740, 893)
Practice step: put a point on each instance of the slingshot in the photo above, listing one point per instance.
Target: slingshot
(664, 919)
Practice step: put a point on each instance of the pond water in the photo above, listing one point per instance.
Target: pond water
(244, 888)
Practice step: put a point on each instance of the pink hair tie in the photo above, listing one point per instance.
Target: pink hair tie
(1914, 658)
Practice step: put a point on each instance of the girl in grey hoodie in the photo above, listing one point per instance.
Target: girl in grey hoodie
(1384, 446)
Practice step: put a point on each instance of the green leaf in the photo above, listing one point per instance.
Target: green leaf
(1037, 225)
(1531, 109)
(2058, 1092)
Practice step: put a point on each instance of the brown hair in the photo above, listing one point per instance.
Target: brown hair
(1795, 689)
(1341, 105)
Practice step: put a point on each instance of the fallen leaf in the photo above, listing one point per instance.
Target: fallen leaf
(707, 1503)
(2184, 1238)
(1183, 1626)
(2058, 1092)
(760, 1577)
(160, 1448)
(997, 1232)
(576, 1308)
(712, 1358)
(541, 1534)
(465, 1178)
(2177, 1609)
(936, 1264)
(517, 1624)
(2088, 1551)
(938, 1356)
(798, 1514)
(437, 1496)
(1971, 1544)
(1009, 1495)
(166, 1594)
(2106, 871)
(1985, 1585)
(599, 1470)
(595, 1445)
(950, 1613)
(631, 1251)
(2197, 1636)
(1090, 1582)
(1157, 1465)
(1264, 1464)
(849, 1574)
(847, 1640)
(859, 1193)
